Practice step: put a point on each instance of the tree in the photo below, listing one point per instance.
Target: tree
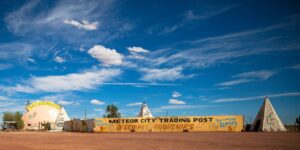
(8, 116)
(297, 123)
(112, 112)
(17, 117)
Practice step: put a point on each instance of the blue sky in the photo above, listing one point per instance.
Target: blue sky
(181, 57)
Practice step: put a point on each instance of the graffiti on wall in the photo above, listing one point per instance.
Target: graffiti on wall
(170, 124)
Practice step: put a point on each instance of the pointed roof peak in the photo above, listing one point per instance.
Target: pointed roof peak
(267, 118)
(145, 112)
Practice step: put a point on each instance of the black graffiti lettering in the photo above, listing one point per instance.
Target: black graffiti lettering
(113, 121)
(166, 120)
(202, 119)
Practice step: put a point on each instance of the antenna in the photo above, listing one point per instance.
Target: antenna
(27, 104)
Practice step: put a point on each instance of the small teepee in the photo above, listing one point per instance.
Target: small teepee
(267, 119)
(61, 118)
(145, 112)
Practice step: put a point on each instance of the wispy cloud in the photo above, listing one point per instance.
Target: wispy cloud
(176, 101)
(250, 76)
(207, 12)
(67, 103)
(164, 74)
(70, 82)
(4, 98)
(84, 24)
(26, 18)
(234, 82)
(203, 14)
(221, 100)
(176, 94)
(15, 51)
(261, 74)
(210, 51)
(31, 60)
(135, 104)
(297, 66)
(47, 27)
(174, 107)
(97, 102)
(139, 84)
(59, 59)
(5, 66)
(136, 49)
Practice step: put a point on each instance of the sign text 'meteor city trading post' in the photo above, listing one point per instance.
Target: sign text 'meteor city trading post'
(170, 124)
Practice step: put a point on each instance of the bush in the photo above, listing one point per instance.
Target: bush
(17, 117)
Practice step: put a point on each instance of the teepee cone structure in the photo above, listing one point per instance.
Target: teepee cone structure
(267, 119)
(61, 118)
(145, 112)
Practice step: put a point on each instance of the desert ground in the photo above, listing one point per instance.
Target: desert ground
(143, 141)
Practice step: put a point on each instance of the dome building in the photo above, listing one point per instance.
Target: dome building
(42, 112)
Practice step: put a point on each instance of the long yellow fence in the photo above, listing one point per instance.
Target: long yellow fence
(170, 124)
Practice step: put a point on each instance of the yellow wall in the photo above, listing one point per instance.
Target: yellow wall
(170, 124)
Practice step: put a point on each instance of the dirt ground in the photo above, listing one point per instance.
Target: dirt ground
(143, 141)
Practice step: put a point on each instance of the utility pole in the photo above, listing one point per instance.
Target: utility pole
(27, 104)
(285, 120)
(84, 114)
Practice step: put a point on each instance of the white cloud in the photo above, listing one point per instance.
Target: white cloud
(135, 104)
(176, 94)
(5, 66)
(137, 52)
(176, 102)
(190, 15)
(208, 13)
(221, 100)
(70, 82)
(171, 28)
(234, 82)
(5, 104)
(249, 77)
(262, 74)
(4, 98)
(11, 108)
(135, 49)
(59, 59)
(165, 74)
(31, 60)
(84, 24)
(290, 67)
(62, 102)
(16, 51)
(97, 102)
(211, 51)
(168, 107)
(140, 84)
(105, 55)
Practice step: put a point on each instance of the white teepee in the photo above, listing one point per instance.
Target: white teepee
(267, 119)
(145, 112)
(61, 118)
